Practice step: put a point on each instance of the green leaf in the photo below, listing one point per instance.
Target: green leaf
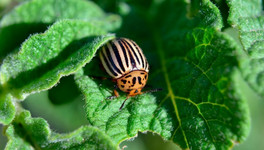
(34, 12)
(15, 142)
(190, 58)
(207, 7)
(247, 17)
(44, 58)
(36, 15)
(187, 115)
(243, 9)
(26, 132)
(7, 109)
(194, 63)
(120, 125)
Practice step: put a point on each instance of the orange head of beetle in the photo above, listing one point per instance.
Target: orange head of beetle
(133, 82)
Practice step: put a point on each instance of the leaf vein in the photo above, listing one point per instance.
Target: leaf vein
(166, 76)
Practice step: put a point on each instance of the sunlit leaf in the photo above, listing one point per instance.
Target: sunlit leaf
(193, 63)
(35, 16)
(44, 58)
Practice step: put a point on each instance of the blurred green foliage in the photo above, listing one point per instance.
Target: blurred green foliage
(256, 103)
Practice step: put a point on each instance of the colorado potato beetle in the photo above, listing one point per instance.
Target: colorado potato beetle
(125, 62)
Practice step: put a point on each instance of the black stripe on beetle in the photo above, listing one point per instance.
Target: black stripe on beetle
(139, 52)
(108, 65)
(116, 52)
(133, 51)
(132, 60)
(111, 59)
(124, 52)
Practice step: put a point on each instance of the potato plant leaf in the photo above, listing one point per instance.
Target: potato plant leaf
(35, 15)
(194, 63)
(7, 109)
(32, 11)
(247, 16)
(44, 58)
(26, 132)
(190, 59)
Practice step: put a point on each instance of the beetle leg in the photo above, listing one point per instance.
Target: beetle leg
(124, 103)
(116, 94)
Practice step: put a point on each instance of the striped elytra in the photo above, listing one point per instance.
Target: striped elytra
(125, 62)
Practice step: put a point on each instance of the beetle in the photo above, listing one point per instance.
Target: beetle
(125, 62)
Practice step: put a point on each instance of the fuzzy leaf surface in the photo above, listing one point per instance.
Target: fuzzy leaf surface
(26, 132)
(193, 62)
(35, 16)
(44, 58)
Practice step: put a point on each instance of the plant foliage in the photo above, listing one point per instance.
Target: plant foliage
(192, 59)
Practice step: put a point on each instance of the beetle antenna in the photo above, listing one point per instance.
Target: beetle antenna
(148, 86)
(153, 90)
(123, 103)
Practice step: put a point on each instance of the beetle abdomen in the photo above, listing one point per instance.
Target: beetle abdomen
(120, 56)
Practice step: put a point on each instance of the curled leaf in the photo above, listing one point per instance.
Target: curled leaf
(27, 132)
